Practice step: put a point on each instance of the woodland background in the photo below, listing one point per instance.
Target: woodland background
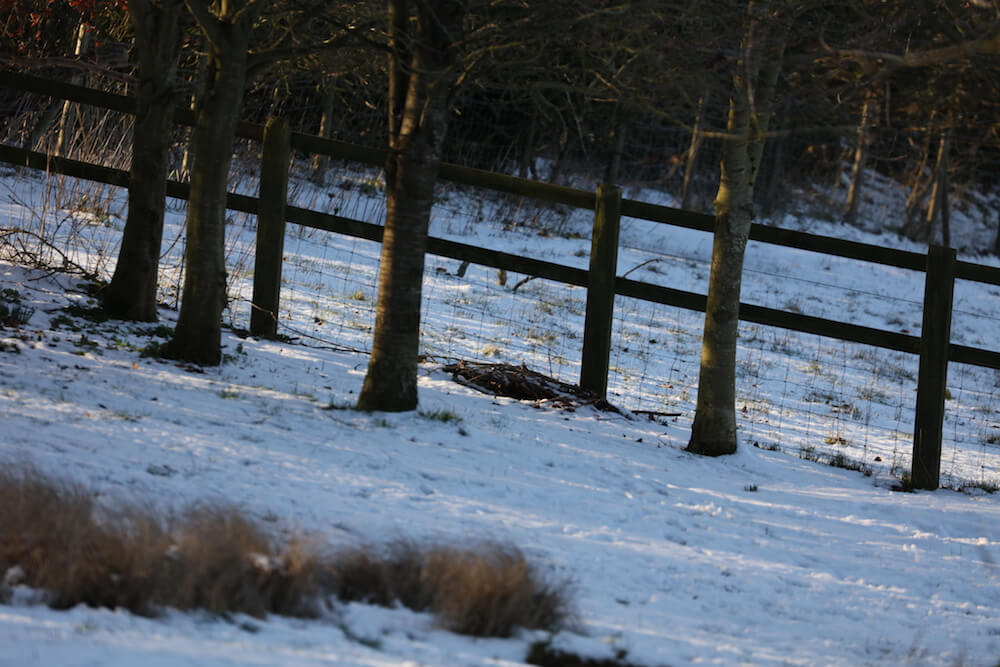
(583, 92)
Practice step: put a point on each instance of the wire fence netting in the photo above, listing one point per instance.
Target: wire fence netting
(842, 403)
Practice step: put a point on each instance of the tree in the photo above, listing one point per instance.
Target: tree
(230, 28)
(754, 78)
(860, 160)
(131, 294)
(755, 74)
(935, 60)
(423, 59)
(996, 239)
(43, 33)
(227, 28)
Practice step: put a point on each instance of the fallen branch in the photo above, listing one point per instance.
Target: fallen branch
(655, 413)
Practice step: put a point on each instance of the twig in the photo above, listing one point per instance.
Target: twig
(31, 258)
(326, 345)
(640, 265)
(521, 282)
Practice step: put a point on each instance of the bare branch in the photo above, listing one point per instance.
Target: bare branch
(207, 21)
(940, 56)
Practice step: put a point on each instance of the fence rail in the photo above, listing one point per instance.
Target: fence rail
(555, 194)
(932, 348)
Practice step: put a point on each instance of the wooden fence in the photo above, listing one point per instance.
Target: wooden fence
(939, 264)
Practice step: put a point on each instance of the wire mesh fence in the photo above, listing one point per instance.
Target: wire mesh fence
(820, 398)
(842, 403)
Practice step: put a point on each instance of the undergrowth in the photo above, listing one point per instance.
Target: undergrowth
(56, 537)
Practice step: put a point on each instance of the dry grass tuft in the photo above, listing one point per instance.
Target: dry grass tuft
(382, 577)
(221, 561)
(213, 557)
(491, 591)
(51, 530)
(488, 591)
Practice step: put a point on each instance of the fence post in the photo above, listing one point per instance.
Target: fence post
(935, 336)
(601, 290)
(270, 228)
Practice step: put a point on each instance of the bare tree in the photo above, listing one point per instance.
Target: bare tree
(754, 78)
(423, 59)
(230, 29)
(131, 294)
(860, 160)
(227, 28)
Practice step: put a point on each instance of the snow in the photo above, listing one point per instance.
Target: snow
(767, 557)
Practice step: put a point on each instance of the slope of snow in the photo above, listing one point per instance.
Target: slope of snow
(765, 557)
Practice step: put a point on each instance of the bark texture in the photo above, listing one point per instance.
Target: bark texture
(996, 241)
(713, 432)
(65, 132)
(198, 335)
(422, 76)
(692, 152)
(131, 294)
(938, 206)
(860, 162)
(321, 161)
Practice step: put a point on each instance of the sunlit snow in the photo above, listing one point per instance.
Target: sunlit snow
(767, 557)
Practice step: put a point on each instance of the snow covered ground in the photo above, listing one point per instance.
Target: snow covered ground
(768, 557)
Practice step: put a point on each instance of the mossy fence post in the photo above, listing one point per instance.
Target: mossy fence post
(932, 381)
(270, 228)
(601, 290)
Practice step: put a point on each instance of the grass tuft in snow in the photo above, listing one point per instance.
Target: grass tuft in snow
(209, 557)
(56, 537)
(840, 461)
(443, 416)
(487, 591)
(12, 312)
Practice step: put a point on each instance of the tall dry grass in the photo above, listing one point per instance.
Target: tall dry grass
(55, 536)
(209, 557)
(489, 590)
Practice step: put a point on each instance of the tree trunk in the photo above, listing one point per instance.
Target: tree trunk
(713, 432)
(198, 335)
(131, 295)
(944, 204)
(45, 121)
(768, 193)
(65, 132)
(419, 96)
(914, 225)
(860, 160)
(996, 241)
(321, 162)
(526, 162)
(938, 206)
(692, 152)
(616, 140)
(187, 161)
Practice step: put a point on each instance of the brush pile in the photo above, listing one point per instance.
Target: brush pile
(524, 384)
